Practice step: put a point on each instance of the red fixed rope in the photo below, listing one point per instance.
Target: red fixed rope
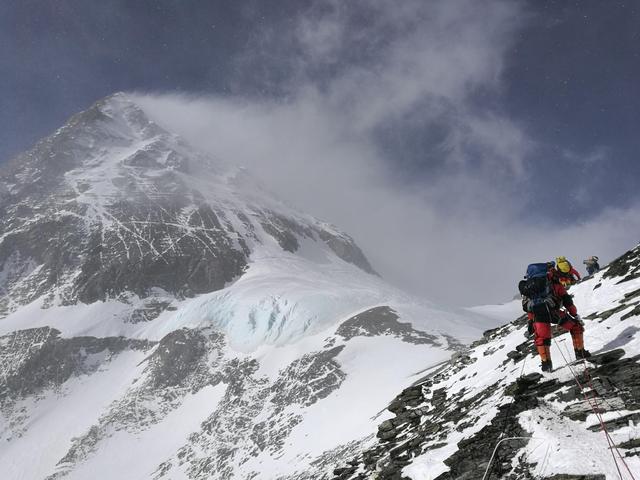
(624, 462)
(594, 407)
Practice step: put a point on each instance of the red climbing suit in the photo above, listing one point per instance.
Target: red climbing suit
(542, 323)
(569, 278)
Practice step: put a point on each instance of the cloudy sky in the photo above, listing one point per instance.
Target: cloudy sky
(456, 140)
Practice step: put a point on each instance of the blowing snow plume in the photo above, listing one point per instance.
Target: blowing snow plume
(378, 125)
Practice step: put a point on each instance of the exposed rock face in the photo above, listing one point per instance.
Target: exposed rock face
(183, 256)
(177, 357)
(319, 366)
(287, 232)
(38, 358)
(627, 266)
(345, 248)
(383, 321)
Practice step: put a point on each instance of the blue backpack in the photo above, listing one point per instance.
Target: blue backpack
(537, 290)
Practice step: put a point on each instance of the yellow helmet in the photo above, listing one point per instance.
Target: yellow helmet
(563, 264)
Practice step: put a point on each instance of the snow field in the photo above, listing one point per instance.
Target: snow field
(54, 418)
(136, 455)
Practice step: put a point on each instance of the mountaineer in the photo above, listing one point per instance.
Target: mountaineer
(592, 265)
(546, 301)
(567, 275)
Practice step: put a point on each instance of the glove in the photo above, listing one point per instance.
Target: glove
(578, 319)
(530, 329)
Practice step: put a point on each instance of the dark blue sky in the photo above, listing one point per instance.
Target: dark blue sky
(574, 79)
(571, 79)
(56, 58)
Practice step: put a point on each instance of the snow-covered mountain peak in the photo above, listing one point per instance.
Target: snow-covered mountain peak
(122, 153)
(149, 291)
(134, 208)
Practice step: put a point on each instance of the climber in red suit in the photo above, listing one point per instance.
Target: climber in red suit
(567, 318)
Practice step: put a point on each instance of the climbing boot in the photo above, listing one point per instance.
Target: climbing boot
(582, 353)
(545, 357)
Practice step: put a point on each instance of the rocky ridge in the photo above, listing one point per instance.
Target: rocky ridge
(447, 424)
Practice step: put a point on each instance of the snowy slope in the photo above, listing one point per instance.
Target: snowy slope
(163, 316)
(448, 424)
(502, 313)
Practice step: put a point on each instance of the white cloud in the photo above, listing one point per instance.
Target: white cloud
(459, 234)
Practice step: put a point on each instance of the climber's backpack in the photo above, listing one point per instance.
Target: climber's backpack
(537, 290)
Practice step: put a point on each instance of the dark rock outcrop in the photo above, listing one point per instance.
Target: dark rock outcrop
(39, 358)
(626, 266)
(383, 321)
